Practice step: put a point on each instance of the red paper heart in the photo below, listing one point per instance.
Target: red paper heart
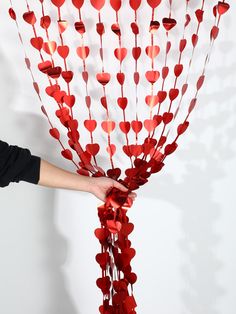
(58, 3)
(98, 4)
(136, 126)
(85, 76)
(67, 154)
(182, 127)
(135, 28)
(102, 259)
(152, 51)
(52, 89)
(78, 3)
(12, 13)
(100, 30)
(136, 150)
(37, 42)
(103, 78)
(150, 124)
(54, 72)
(58, 96)
(167, 117)
(152, 76)
(45, 66)
(187, 20)
(222, 7)
(125, 126)
(114, 173)
(101, 234)
(170, 148)
(178, 69)
(104, 284)
(73, 124)
(199, 15)
(49, 47)
(62, 26)
(90, 125)
(120, 53)
(116, 4)
(122, 102)
(80, 27)
(165, 72)
(200, 81)
(45, 21)
(83, 52)
(151, 100)
(108, 126)
(127, 228)
(55, 133)
(214, 32)
(161, 95)
(29, 17)
(104, 102)
(136, 78)
(116, 29)
(168, 23)
(135, 4)
(173, 93)
(93, 149)
(182, 44)
(127, 151)
(67, 76)
(120, 78)
(69, 100)
(136, 52)
(111, 149)
(158, 118)
(154, 26)
(63, 51)
(194, 40)
(113, 226)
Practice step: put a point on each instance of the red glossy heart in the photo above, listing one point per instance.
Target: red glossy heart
(120, 78)
(78, 3)
(69, 100)
(63, 51)
(85, 76)
(45, 66)
(80, 27)
(154, 26)
(170, 148)
(222, 7)
(194, 40)
(37, 42)
(165, 72)
(135, 4)
(100, 30)
(125, 126)
(153, 3)
(73, 124)
(135, 28)
(192, 105)
(49, 47)
(54, 72)
(136, 52)
(88, 101)
(104, 284)
(98, 4)
(182, 45)
(111, 149)
(83, 52)
(45, 21)
(122, 102)
(116, 4)
(58, 96)
(12, 13)
(169, 23)
(167, 117)
(93, 149)
(52, 89)
(108, 126)
(152, 76)
(116, 29)
(182, 127)
(104, 102)
(187, 20)
(62, 26)
(136, 150)
(58, 3)
(214, 32)
(54, 133)
(102, 259)
(199, 15)
(161, 95)
(158, 119)
(67, 76)
(150, 124)
(103, 78)
(136, 78)
(136, 126)
(200, 81)
(152, 51)
(120, 53)
(113, 226)
(90, 125)
(178, 69)
(67, 154)
(127, 228)
(151, 100)
(127, 151)
(29, 17)
(114, 173)
(173, 93)
(101, 234)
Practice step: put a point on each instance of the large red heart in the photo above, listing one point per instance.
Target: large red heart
(103, 78)
(93, 149)
(58, 3)
(98, 4)
(108, 126)
(152, 76)
(49, 47)
(37, 42)
(55, 133)
(83, 52)
(78, 3)
(63, 51)
(29, 17)
(120, 53)
(45, 21)
(152, 51)
(90, 125)
(122, 102)
(151, 100)
(150, 124)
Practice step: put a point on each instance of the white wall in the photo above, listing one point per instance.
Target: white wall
(184, 218)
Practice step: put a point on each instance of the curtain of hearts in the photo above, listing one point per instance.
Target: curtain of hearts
(131, 91)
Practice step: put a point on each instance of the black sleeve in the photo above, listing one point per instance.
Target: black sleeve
(17, 164)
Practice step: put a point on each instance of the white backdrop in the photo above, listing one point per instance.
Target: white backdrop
(184, 218)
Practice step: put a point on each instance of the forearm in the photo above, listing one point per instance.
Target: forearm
(52, 176)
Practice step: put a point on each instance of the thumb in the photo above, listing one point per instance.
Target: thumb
(120, 186)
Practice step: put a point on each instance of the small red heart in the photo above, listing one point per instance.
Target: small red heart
(54, 72)
(194, 40)
(88, 101)
(37, 42)
(114, 173)
(167, 117)
(85, 76)
(135, 4)
(184, 88)
(173, 93)
(29, 17)
(98, 4)
(80, 27)
(45, 21)
(170, 148)
(182, 44)
(55, 133)
(169, 23)
(182, 127)
(69, 100)
(153, 3)
(127, 151)
(116, 4)
(63, 51)
(152, 76)
(161, 95)
(62, 26)
(199, 15)
(136, 52)
(104, 284)
(12, 13)
(200, 81)
(67, 76)
(136, 150)
(101, 234)
(120, 78)
(152, 51)
(136, 126)
(158, 118)
(104, 102)
(100, 30)
(58, 96)
(125, 126)
(122, 102)
(136, 78)
(103, 78)
(93, 149)
(58, 3)
(120, 53)
(73, 124)
(111, 149)
(49, 47)
(108, 126)
(116, 29)
(187, 20)
(214, 32)
(66, 153)
(222, 7)
(127, 228)
(135, 28)
(113, 226)
(151, 100)
(103, 259)
(52, 89)
(78, 3)
(192, 105)
(90, 125)
(45, 66)
(154, 26)
(178, 69)
(165, 72)
(132, 278)
(150, 124)
(83, 52)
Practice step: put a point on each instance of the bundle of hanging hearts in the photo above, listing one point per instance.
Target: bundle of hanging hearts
(147, 132)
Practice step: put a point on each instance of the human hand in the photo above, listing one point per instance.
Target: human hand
(100, 186)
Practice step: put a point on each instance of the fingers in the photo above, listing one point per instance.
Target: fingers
(120, 186)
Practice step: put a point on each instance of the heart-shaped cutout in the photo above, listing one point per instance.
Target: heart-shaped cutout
(93, 149)
(152, 51)
(122, 102)
(120, 53)
(37, 42)
(108, 126)
(83, 52)
(29, 17)
(80, 27)
(50, 47)
(90, 125)
(152, 76)
(103, 78)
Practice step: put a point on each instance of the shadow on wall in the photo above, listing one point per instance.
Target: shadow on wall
(203, 163)
(30, 130)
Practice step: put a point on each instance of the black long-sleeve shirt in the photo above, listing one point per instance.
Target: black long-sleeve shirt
(18, 164)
